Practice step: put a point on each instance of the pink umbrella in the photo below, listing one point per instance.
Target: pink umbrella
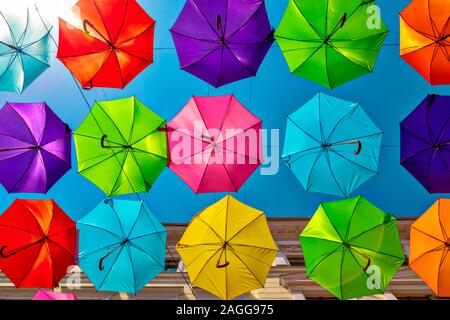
(50, 295)
(215, 144)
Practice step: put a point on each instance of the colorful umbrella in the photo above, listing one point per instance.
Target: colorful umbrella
(430, 245)
(331, 145)
(330, 42)
(50, 295)
(24, 47)
(120, 147)
(352, 248)
(425, 39)
(106, 43)
(37, 243)
(425, 143)
(35, 147)
(222, 41)
(122, 246)
(228, 248)
(215, 144)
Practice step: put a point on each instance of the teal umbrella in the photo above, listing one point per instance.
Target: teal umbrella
(24, 47)
(331, 145)
(122, 246)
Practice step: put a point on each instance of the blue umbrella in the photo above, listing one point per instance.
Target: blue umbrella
(24, 48)
(331, 145)
(122, 246)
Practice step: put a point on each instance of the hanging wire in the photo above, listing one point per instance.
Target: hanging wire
(115, 156)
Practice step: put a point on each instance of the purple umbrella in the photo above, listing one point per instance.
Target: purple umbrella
(425, 143)
(222, 41)
(35, 147)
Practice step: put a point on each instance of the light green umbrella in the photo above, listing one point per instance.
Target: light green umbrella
(352, 248)
(331, 42)
(120, 146)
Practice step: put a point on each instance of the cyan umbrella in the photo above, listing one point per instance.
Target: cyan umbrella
(24, 47)
(122, 246)
(331, 145)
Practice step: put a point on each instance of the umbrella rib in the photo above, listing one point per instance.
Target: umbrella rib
(252, 246)
(435, 52)
(132, 267)
(377, 251)
(86, 255)
(241, 133)
(239, 154)
(319, 154)
(309, 135)
(381, 291)
(11, 33)
(103, 21)
(308, 58)
(193, 37)
(353, 162)
(348, 59)
(204, 17)
(218, 236)
(417, 153)
(234, 250)
(22, 229)
(350, 112)
(426, 35)
(26, 170)
(30, 268)
(252, 72)
(309, 23)
(244, 227)
(225, 114)
(100, 162)
(206, 262)
(133, 156)
(151, 132)
(295, 153)
(341, 269)
(351, 218)
(443, 257)
(148, 254)
(370, 229)
(109, 271)
(438, 248)
(158, 232)
(308, 274)
(229, 177)
(327, 157)
(34, 57)
(24, 122)
(247, 21)
(201, 115)
(135, 53)
(427, 234)
(102, 229)
(251, 271)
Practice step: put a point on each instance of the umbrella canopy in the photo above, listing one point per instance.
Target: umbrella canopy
(35, 147)
(425, 39)
(425, 143)
(37, 243)
(24, 47)
(222, 41)
(215, 144)
(352, 248)
(228, 248)
(430, 245)
(50, 295)
(331, 145)
(106, 43)
(120, 148)
(330, 42)
(122, 246)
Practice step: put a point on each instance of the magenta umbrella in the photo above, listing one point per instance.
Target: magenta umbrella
(50, 295)
(215, 144)
(222, 41)
(35, 147)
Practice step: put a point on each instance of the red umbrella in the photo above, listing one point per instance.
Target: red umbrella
(106, 43)
(37, 243)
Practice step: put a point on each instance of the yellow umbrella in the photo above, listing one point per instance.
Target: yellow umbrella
(228, 248)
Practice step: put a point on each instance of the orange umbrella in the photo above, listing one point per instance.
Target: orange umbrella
(430, 245)
(425, 39)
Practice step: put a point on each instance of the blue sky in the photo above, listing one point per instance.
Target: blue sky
(388, 95)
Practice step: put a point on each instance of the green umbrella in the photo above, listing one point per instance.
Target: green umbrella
(352, 248)
(331, 42)
(120, 146)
